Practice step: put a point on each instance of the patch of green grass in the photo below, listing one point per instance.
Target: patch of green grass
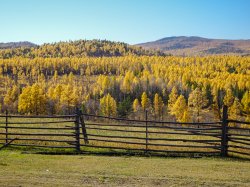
(18, 169)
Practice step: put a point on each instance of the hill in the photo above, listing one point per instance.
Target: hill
(16, 45)
(193, 45)
(79, 48)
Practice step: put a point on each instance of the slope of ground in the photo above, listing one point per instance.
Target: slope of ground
(16, 45)
(183, 45)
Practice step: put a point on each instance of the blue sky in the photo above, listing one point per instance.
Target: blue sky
(131, 21)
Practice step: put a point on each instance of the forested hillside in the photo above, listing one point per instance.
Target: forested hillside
(170, 88)
(80, 48)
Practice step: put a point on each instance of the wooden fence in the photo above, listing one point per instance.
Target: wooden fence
(39, 131)
(86, 132)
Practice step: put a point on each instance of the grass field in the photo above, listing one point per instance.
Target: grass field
(22, 169)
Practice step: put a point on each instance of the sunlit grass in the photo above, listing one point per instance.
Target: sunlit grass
(20, 169)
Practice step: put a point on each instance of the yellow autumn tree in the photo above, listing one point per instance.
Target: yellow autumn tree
(197, 101)
(229, 98)
(172, 98)
(51, 101)
(54, 96)
(127, 82)
(108, 105)
(246, 104)
(145, 101)
(235, 109)
(11, 98)
(186, 116)
(55, 77)
(158, 105)
(180, 110)
(105, 84)
(136, 105)
(69, 99)
(32, 100)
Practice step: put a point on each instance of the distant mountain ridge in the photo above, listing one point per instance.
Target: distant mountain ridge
(193, 45)
(16, 45)
(175, 45)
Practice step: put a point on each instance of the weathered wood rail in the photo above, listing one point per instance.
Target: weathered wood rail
(86, 132)
(38, 131)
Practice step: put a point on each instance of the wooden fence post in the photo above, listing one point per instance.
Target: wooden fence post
(146, 118)
(77, 129)
(84, 131)
(224, 135)
(6, 126)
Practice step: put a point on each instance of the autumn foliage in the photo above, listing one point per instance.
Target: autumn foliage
(177, 88)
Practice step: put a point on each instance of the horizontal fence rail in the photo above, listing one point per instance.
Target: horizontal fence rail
(153, 136)
(238, 138)
(87, 132)
(38, 131)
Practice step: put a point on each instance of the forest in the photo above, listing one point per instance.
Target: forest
(78, 48)
(115, 79)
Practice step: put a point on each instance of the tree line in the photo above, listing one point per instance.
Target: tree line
(79, 48)
(184, 89)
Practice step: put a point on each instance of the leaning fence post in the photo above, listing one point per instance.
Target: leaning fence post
(224, 135)
(146, 119)
(84, 131)
(6, 126)
(77, 129)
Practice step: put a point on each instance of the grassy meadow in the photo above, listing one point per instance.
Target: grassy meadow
(19, 168)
